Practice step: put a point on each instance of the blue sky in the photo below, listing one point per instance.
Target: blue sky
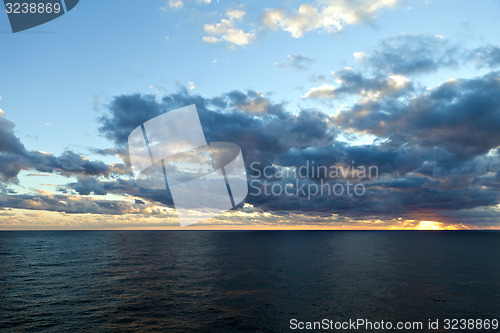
(58, 79)
(123, 48)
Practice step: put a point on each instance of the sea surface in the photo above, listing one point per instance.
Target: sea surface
(250, 281)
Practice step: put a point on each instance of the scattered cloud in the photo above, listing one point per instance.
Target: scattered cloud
(179, 4)
(351, 82)
(386, 69)
(360, 55)
(324, 91)
(297, 61)
(413, 54)
(327, 15)
(175, 4)
(228, 31)
(211, 39)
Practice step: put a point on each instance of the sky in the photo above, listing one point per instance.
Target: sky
(408, 88)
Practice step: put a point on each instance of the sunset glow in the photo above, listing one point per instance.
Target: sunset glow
(432, 225)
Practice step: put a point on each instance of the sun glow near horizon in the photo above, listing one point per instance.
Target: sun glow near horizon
(433, 225)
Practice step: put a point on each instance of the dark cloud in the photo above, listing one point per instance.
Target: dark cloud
(9, 142)
(14, 157)
(70, 163)
(263, 130)
(411, 182)
(461, 117)
(420, 166)
(126, 112)
(352, 82)
(11, 165)
(434, 148)
(74, 204)
(88, 185)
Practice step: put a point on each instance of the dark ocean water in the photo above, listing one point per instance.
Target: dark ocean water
(182, 281)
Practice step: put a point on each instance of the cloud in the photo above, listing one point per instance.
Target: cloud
(413, 182)
(297, 61)
(388, 70)
(459, 116)
(420, 167)
(14, 157)
(227, 31)
(324, 91)
(247, 118)
(486, 56)
(437, 151)
(88, 185)
(9, 142)
(360, 55)
(351, 82)
(43, 200)
(419, 54)
(211, 39)
(252, 102)
(412, 54)
(179, 4)
(327, 15)
(175, 4)
(437, 156)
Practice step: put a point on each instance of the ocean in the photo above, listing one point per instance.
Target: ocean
(250, 281)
